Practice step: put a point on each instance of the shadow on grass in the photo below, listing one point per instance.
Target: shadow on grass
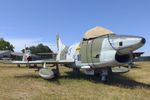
(126, 82)
(29, 76)
(116, 80)
(34, 76)
(136, 66)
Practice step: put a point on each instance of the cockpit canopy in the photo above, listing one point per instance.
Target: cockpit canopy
(96, 32)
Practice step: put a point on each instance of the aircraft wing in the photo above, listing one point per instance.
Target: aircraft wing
(17, 54)
(40, 62)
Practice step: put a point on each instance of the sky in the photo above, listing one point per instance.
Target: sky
(30, 22)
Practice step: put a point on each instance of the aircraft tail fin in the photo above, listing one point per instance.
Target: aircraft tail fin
(60, 47)
(26, 53)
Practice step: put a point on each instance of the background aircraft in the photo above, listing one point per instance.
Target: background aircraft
(98, 52)
(26, 56)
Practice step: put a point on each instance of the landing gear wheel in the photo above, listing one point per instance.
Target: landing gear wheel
(106, 74)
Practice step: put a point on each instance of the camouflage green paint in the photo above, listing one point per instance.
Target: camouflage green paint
(83, 51)
(96, 49)
(90, 50)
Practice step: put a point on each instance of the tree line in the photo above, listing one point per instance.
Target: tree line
(40, 48)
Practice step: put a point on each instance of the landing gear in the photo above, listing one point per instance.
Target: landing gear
(35, 65)
(106, 74)
(57, 70)
(76, 71)
(18, 65)
(28, 65)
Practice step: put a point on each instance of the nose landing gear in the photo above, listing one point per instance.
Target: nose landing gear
(105, 74)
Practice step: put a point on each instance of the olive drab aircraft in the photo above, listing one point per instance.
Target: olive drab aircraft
(97, 53)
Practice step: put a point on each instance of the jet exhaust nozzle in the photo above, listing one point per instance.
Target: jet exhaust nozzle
(143, 41)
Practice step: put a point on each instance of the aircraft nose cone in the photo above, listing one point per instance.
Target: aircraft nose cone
(143, 40)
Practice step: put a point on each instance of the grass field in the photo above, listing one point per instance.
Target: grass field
(25, 84)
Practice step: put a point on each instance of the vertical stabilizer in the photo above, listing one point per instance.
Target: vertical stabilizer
(26, 54)
(60, 47)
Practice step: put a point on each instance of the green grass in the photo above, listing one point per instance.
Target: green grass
(25, 84)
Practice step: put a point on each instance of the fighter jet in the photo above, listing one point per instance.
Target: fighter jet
(99, 50)
(26, 56)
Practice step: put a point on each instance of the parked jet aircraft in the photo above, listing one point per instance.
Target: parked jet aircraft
(26, 56)
(98, 51)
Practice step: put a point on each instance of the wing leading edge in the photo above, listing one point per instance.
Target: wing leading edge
(40, 62)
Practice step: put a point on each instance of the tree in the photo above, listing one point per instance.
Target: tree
(40, 48)
(5, 45)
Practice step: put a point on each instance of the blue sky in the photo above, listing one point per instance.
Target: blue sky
(37, 21)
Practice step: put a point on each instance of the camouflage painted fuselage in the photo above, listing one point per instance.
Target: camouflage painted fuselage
(103, 51)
